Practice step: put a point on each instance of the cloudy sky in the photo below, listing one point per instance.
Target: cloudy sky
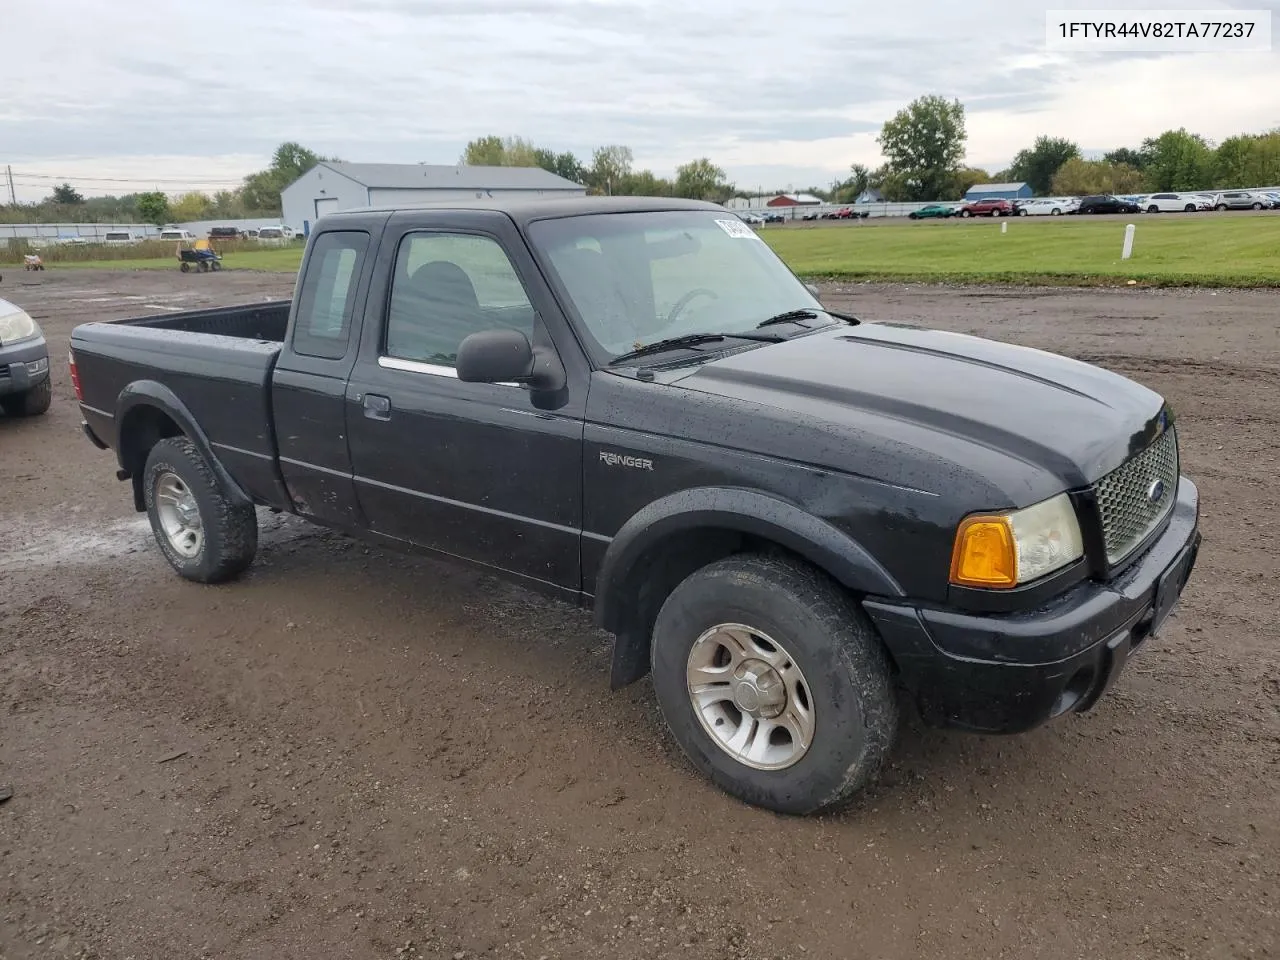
(176, 95)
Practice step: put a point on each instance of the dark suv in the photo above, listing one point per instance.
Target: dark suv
(1105, 203)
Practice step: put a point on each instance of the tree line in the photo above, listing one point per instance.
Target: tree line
(923, 146)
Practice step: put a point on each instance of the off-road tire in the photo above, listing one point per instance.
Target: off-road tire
(843, 660)
(29, 403)
(230, 529)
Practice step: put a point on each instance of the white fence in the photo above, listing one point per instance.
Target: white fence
(92, 232)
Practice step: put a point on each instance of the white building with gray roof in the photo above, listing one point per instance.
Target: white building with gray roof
(331, 186)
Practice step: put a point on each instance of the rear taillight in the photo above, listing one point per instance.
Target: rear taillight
(75, 376)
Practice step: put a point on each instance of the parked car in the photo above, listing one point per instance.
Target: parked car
(118, 238)
(811, 215)
(1047, 207)
(1240, 200)
(752, 218)
(1105, 203)
(224, 233)
(25, 388)
(987, 208)
(1274, 198)
(784, 514)
(174, 233)
(773, 216)
(1175, 202)
(274, 236)
(932, 212)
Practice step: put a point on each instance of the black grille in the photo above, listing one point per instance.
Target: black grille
(4, 371)
(1125, 496)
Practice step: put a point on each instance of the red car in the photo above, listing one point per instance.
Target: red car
(987, 208)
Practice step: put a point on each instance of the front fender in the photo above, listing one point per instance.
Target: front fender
(153, 395)
(737, 510)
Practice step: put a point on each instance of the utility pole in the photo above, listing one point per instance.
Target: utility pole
(13, 196)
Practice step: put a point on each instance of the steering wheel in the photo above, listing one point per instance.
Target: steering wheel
(679, 305)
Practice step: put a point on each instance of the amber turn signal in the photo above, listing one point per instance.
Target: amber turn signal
(985, 554)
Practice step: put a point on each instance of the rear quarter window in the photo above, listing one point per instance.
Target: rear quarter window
(326, 299)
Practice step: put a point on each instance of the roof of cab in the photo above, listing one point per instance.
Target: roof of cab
(524, 211)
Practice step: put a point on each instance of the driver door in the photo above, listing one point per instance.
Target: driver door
(472, 470)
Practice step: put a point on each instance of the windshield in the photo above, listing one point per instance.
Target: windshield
(635, 278)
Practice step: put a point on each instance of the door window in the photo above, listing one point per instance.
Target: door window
(447, 287)
(326, 301)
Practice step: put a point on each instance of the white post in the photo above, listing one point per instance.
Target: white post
(1128, 242)
(1004, 227)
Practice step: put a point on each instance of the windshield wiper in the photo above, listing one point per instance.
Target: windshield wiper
(804, 313)
(691, 340)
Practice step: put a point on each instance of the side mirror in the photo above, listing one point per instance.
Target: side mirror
(506, 356)
(495, 356)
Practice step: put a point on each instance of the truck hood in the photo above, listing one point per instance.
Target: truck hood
(961, 398)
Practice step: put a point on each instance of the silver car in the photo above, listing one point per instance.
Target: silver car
(1241, 200)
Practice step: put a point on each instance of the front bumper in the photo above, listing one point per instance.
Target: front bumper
(23, 365)
(1008, 673)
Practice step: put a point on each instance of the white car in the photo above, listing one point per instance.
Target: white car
(752, 218)
(1175, 203)
(1048, 206)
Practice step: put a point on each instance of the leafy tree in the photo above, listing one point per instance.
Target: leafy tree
(561, 164)
(849, 189)
(153, 207)
(923, 144)
(1132, 158)
(702, 180)
(484, 152)
(644, 183)
(229, 204)
(189, 207)
(1078, 178)
(500, 152)
(1177, 160)
(967, 177)
(1248, 160)
(66, 194)
(1037, 164)
(261, 190)
(609, 165)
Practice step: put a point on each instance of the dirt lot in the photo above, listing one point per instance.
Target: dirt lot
(383, 757)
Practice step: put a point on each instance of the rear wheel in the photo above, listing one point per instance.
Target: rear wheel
(1153, 209)
(185, 267)
(1257, 206)
(774, 684)
(30, 403)
(1221, 206)
(996, 213)
(202, 532)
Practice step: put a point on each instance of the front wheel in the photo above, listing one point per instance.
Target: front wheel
(204, 534)
(1221, 206)
(30, 403)
(1189, 208)
(774, 684)
(1257, 206)
(1153, 209)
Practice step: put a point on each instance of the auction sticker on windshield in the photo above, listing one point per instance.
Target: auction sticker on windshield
(736, 228)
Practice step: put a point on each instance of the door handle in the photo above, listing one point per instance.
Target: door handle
(377, 407)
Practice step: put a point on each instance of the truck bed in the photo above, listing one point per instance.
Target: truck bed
(263, 321)
(212, 366)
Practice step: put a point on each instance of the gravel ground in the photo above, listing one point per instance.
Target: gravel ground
(352, 753)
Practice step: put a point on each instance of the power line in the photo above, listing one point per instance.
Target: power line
(44, 177)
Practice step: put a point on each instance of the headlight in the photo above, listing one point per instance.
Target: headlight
(17, 325)
(1004, 550)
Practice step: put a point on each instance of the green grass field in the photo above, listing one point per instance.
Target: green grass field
(1215, 251)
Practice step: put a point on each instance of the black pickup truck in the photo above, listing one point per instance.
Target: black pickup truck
(798, 522)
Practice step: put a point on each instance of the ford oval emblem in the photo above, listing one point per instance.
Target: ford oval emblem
(1155, 492)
